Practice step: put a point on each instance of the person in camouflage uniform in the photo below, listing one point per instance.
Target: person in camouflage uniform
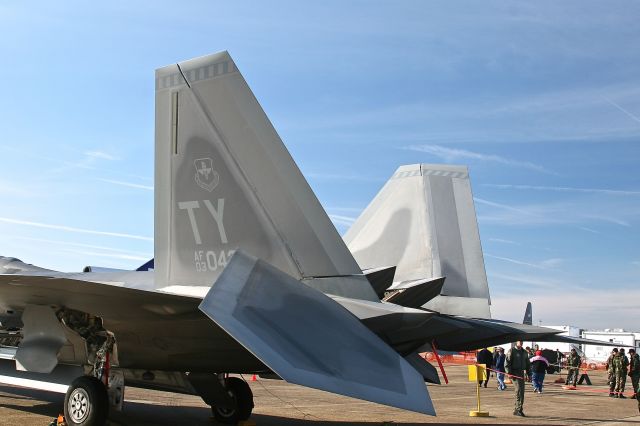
(634, 370)
(573, 367)
(621, 365)
(517, 364)
(611, 378)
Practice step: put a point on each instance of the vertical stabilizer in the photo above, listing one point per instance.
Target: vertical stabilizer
(528, 315)
(423, 220)
(224, 180)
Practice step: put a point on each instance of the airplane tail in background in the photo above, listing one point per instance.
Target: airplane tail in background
(423, 221)
(224, 180)
(528, 315)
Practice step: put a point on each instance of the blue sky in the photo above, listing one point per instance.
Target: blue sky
(540, 99)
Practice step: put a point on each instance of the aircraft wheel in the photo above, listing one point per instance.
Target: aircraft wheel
(86, 402)
(242, 397)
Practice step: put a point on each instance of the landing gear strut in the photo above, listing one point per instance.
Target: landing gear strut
(86, 402)
(242, 397)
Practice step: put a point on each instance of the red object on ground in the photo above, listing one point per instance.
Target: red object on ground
(435, 352)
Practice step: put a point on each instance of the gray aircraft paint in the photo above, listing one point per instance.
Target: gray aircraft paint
(224, 180)
(276, 319)
(423, 220)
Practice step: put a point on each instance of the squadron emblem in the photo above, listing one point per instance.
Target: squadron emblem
(206, 177)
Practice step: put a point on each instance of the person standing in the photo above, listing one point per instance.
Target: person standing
(530, 354)
(611, 376)
(559, 357)
(621, 363)
(517, 363)
(573, 367)
(539, 366)
(634, 370)
(485, 358)
(498, 365)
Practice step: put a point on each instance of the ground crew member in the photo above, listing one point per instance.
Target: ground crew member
(517, 364)
(620, 364)
(573, 366)
(634, 370)
(611, 378)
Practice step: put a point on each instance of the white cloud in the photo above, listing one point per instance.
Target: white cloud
(627, 113)
(453, 155)
(128, 184)
(575, 213)
(544, 264)
(503, 206)
(91, 246)
(342, 220)
(100, 155)
(593, 231)
(72, 229)
(500, 240)
(342, 177)
(122, 256)
(563, 189)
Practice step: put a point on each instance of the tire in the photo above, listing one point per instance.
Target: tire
(86, 402)
(242, 397)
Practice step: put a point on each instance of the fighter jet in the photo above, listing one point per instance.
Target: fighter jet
(249, 275)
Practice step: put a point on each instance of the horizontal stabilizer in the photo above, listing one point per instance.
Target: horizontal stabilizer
(463, 334)
(307, 338)
(578, 341)
(428, 371)
(414, 294)
(380, 278)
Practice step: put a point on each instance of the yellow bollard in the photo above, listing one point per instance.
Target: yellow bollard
(475, 372)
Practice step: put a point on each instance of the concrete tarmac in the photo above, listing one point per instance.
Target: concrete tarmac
(281, 404)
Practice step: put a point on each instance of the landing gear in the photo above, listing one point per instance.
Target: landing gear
(242, 397)
(86, 402)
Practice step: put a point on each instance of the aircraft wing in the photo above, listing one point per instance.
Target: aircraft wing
(104, 300)
(153, 330)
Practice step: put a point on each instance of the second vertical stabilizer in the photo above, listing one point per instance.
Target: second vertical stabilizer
(423, 220)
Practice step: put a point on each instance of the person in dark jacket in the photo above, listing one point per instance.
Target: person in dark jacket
(498, 364)
(539, 366)
(517, 364)
(634, 371)
(485, 358)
